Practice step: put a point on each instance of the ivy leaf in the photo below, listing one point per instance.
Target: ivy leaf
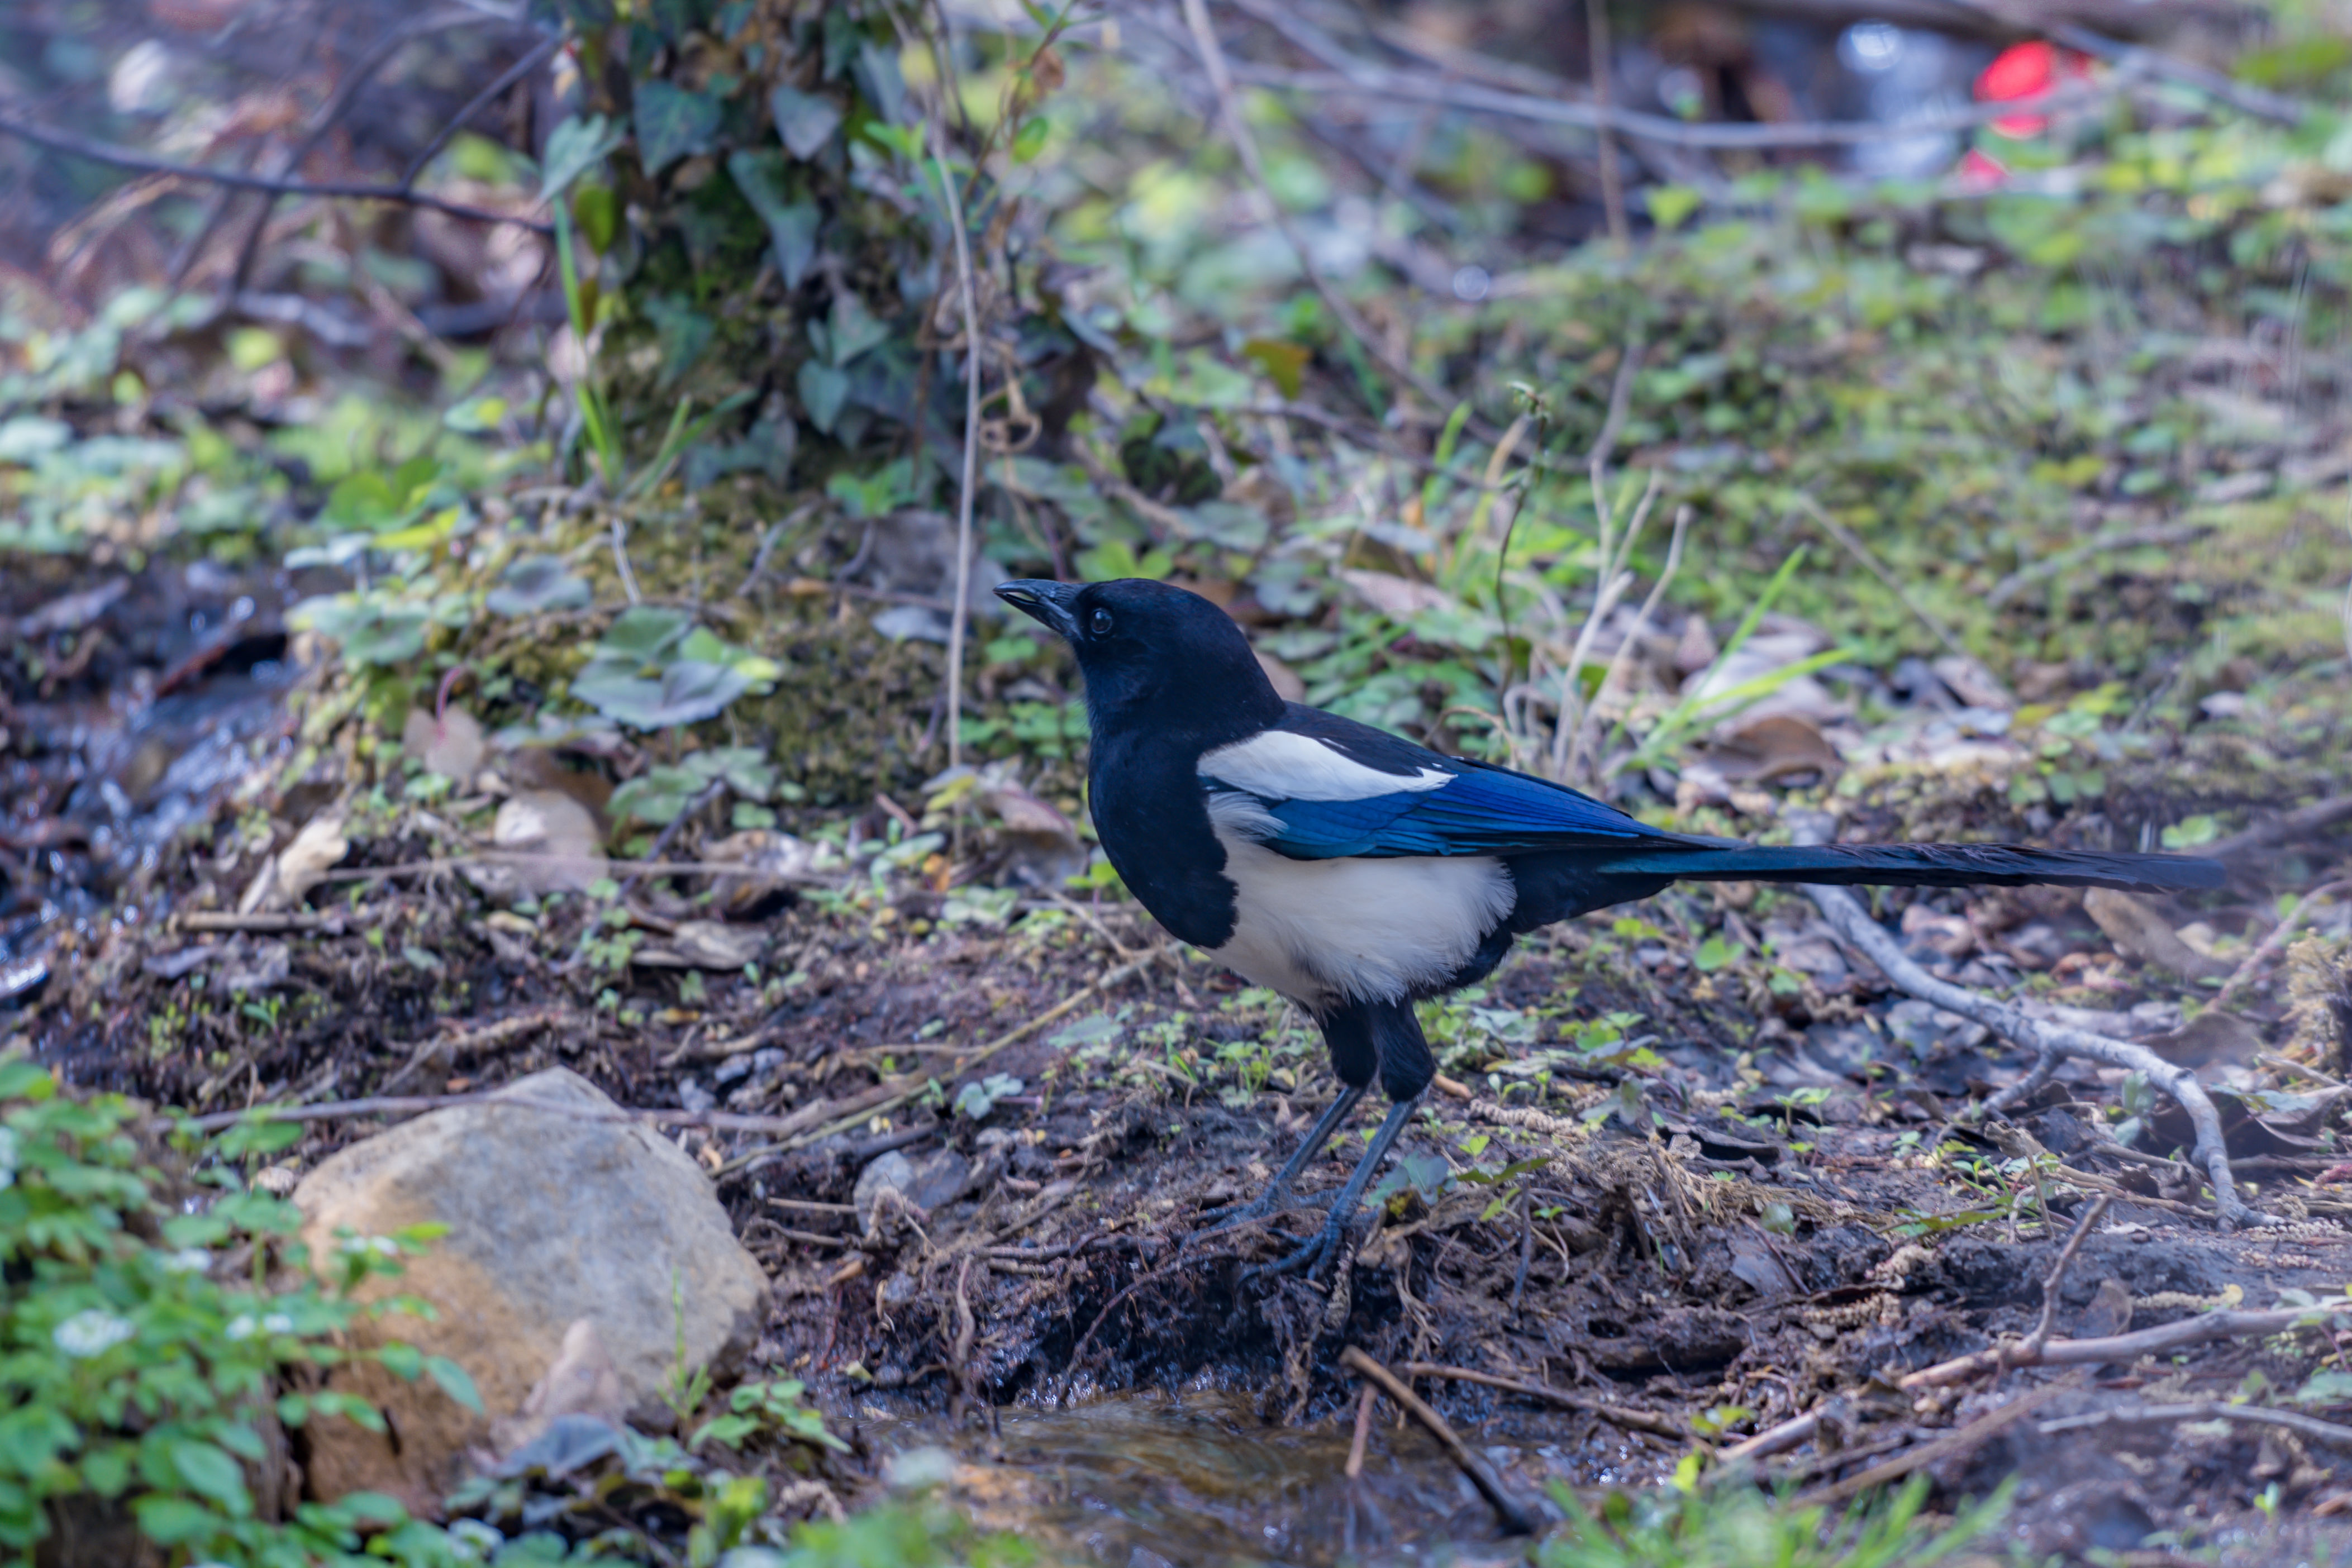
(686, 692)
(854, 329)
(683, 333)
(822, 390)
(804, 121)
(673, 123)
(453, 1382)
(791, 226)
(875, 69)
(573, 148)
(211, 1473)
(535, 582)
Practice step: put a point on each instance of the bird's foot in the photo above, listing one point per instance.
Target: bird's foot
(1325, 1244)
(1265, 1205)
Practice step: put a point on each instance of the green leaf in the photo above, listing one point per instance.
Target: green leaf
(686, 692)
(169, 1521)
(823, 391)
(791, 226)
(531, 583)
(875, 69)
(683, 333)
(1030, 140)
(213, 1474)
(673, 123)
(455, 1382)
(573, 148)
(804, 121)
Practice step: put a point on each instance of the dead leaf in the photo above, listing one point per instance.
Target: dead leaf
(1393, 596)
(1696, 650)
(1287, 686)
(1949, 935)
(1753, 1259)
(1779, 747)
(1973, 682)
(543, 822)
(704, 945)
(451, 746)
(2208, 1038)
(282, 882)
(2139, 932)
(2109, 1313)
(772, 860)
(1783, 643)
(582, 1381)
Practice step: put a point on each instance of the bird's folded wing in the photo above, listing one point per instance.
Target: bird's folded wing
(1479, 811)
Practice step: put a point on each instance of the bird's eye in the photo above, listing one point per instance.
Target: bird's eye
(1099, 623)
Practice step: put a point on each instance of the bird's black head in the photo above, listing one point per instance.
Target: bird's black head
(1153, 653)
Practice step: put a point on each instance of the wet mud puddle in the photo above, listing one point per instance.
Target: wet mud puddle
(1197, 1480)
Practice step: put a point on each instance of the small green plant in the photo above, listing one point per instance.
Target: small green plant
(1739, 1528)
(685, 1389)
(756, 1407)
(138, 1375)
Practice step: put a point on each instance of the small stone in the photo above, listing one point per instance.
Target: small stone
(558, 1209)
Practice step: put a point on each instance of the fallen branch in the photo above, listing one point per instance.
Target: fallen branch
(1221, 81)
(1966, 1439)
(2276, 943)
(2050, 1042)
(256, 924)
(888, 1096)
(1363, 1430)
(119, 157)
(2327, 1432)
(1515, 1517)
(2302, 824)
(2125, 1348)
(1622, 1415)
(2057, 1276)
(501, 1032)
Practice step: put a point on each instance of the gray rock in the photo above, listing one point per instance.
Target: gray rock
(938, 1178)
(555, 1215)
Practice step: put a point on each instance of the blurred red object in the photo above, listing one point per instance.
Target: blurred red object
(2028, 70)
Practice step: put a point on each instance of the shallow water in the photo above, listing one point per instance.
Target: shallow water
(1197, 1480)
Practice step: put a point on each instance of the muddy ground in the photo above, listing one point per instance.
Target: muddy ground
(1682, 1173)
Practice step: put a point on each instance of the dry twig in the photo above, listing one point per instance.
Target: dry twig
(1623, 1416)
(2125, 1348)
(1515, 1517)
(2327, 1432)
(2057, 1276)
(1966, 1439)
(2050, 1042)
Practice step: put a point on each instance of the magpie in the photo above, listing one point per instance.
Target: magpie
(1356, 872)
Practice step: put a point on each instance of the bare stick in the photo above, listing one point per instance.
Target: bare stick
(2049, 1041)
(2057, 1277)
(2125, 1348)
(534, 57)
(1613, 185)
(1364, 1404)
(1965, 1440)
(119, 157)
(1851, 544)
(2271, 944)
(972, 352)
(1588, 733)
(339, 103)
(1517, 1518)
(1368, 80)
(2327, 1432)
(2311, 819)
(1221, 81)
(1623, 1416)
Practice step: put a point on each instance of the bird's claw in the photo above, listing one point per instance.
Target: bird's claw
(1265, 1206)
(1324, 1244)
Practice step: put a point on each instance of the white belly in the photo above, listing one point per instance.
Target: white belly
(1322, 932)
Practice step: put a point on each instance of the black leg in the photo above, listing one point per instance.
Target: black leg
(1334, 1234)
(1277, 1197)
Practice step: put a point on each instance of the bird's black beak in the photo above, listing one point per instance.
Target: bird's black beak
(1047, 603)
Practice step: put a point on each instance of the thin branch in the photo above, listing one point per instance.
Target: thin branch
(2125, 1348)
(1588, 732)
(1515, 1516)
(2311, 820)
(2329, 1433)
(339, 103)
(2274, 944)
(1221, 81)
(1612, 183)
(119, 157)
(2049, 1041)
(2056, 1278)
(532, 60)
(1376, 81)
(1623, 1416)
(2124, 57)
(971, 355)
(1851, 544)
(1966, 1440)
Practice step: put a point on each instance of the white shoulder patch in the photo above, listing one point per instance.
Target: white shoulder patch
(1281, 765)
